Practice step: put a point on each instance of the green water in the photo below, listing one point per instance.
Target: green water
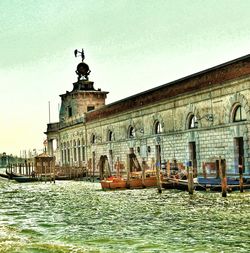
(80, 217)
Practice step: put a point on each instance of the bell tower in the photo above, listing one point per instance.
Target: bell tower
(83, 98)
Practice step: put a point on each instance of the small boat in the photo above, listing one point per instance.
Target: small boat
(176, 183)
(4, 175)
(214, 184)
(24, 179)
(113, 183)
(203, 184)
(11, 174)
(150, 179)
(62, 177)
(135, 181)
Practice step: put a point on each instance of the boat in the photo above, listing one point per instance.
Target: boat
(4, 175)
(62, 177)
(25, 179)
(204, 184)
(150, 179)
(113, 183)
(20, 178)
(176, 183)
(134, 182)
(233, 183)
(11, 174)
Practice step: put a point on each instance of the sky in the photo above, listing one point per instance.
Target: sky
(130, 46)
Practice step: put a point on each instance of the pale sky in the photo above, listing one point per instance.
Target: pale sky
(130, 46)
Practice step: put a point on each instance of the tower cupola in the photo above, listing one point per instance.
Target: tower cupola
(83, 98)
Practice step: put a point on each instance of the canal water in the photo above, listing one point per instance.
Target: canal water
(77, 216)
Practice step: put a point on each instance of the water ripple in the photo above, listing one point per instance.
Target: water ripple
(80, 217)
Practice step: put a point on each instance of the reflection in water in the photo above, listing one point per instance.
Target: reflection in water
(80, 217)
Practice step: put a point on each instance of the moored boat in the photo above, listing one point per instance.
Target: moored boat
(4, 175)
(113, 183)
(135, 181)
(24, 179)
(204, 184)
(11, 174)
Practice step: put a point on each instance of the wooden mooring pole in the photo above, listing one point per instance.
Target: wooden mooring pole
(222, 166)
(158, 167)
(168, 168)
(54, 173)
(143, 173)
(26, 168)
(50, 171)
(241, 167)
(128, 172)
(190, 178)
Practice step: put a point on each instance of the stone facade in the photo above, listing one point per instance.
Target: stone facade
(200, 118)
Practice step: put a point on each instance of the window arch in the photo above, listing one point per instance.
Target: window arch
(239, 114)
(131, 132)
(157, 127)
(192, 122)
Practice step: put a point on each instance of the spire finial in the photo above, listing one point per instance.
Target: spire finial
(81, 53)
(82, 69)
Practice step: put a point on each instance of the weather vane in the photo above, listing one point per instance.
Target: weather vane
(82, 69)
(81, 53)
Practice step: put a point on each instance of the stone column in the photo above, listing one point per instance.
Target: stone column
(50, 147)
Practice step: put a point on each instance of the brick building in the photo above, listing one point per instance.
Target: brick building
(197, 118)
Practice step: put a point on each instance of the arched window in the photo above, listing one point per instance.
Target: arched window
(65, 153)
(110, 135)
(93, 139)
(62, 152)
(239, 114)
(131, 132)
(157, 127)
(68, 155)
(83, 150)
(74, 143)
(192, 122)
(79, 150)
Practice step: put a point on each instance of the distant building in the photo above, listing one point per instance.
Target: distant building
(197, 118)
(6, 159)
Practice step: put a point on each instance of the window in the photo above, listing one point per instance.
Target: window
(68, 155)
(74, 151)
(65, 153)
(62, 155)
(110, 135)
(83, 153)
(239, 114)
(192, 123)
(79, 150)
(131, 132)
(90, 108)
(157, 128)
(70, 111)
(93, 139)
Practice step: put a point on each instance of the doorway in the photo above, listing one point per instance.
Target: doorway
(133, 163)
(239, 153)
